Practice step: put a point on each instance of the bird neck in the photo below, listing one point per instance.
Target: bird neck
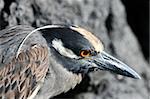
(58, 80)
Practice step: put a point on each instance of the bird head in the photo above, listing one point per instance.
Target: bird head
(79, 51)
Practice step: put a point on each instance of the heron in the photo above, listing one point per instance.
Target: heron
(43, 62)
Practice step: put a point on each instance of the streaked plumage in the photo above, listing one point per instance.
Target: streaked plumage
(59, 53)
(20, 76)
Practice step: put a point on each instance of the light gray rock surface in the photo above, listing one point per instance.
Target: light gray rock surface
(1, 4)
(107, 20)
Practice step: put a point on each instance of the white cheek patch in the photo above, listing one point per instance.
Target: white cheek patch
(58, 45)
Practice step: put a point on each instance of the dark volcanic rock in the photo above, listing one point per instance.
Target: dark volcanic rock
(105, 18)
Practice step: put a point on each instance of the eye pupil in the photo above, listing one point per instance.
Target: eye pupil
(85, 52)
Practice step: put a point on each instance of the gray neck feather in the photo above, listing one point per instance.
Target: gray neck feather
(57, 81)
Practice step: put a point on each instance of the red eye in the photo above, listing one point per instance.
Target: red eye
(85, 53)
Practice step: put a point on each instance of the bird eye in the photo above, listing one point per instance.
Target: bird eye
(85, 53)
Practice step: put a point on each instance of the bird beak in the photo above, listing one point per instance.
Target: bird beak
(107, 62)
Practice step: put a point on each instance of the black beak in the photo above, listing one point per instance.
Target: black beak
(107, 62)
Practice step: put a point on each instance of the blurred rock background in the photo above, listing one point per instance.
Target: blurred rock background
(122, 25)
